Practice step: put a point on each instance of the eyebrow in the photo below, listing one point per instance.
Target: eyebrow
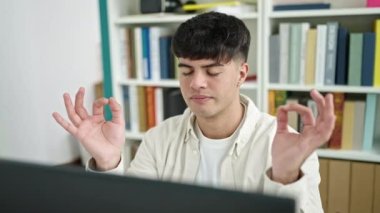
(204, 66)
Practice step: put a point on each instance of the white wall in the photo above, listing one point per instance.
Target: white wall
(47, 47)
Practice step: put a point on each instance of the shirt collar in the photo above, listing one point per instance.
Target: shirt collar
(250, 118)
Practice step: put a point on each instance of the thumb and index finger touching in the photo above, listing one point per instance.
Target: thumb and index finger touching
(78, 113)
(325, 108)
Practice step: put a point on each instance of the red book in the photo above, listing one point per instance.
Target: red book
(150, 107)
(336, 137)
(373, 3)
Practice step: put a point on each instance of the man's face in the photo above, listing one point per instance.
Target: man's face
(209, 88)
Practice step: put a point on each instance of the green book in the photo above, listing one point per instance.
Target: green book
(355, 59)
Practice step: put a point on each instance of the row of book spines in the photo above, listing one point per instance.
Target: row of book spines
(279, 5)
(357, 123)
(327, 55)
(147, 54)
(145, 107)
(349, 186)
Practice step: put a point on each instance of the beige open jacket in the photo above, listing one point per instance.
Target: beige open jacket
(170, 152)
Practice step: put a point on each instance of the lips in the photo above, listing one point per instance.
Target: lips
(200, 98)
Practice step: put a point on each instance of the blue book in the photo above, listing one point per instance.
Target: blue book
(171, 56)
(146, 53)
(164, 57)
(369, 122)
(312, 6)
(342, 57)
(368, 59)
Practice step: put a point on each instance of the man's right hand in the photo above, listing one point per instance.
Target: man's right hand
(102, 139)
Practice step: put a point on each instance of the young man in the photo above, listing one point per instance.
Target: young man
(222, 139)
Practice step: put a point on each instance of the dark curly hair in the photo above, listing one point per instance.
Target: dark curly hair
(214, 36)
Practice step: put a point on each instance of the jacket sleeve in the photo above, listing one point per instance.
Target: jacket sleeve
(305, 191)
(143, 165)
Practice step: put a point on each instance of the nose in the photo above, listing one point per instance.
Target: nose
(198, 80)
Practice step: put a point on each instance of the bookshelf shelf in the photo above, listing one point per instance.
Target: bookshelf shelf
(325, 13)
(161, 83)
(173, 83)
(133, 135)
(306, 88)
(162, 18)
(355, 155)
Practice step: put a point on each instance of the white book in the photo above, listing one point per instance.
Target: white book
(154, 42)
(138, 53)
(159, 102)
(320, 55)
(123, 55)
(304, 28)
(331, 49)
(134, 109)
(284, 52)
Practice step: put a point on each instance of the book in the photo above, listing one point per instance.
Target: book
(339, 186)
(145, 31)
(362, 179)
(320, 59)
(310, 57)
(310, 6)
(129, 53)
(142, 116)
(303, 49)
(271, 103)
(123, 52)
(336, 136)
(134, 109)
(284, 52)
(376, 71)
(294, 53)
(358, 121)
(347, 3)
(274, 59)
(150, 106)
(126, 109)
(348, 125)
(165, 66)
(369, 121)
(373, 3)
(341, 61)
(159, 105)
(331, 47)
(355, 59)
(138, 52)
(155, 50)
(368, 58)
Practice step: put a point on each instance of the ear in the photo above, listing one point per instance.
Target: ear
(243, 72)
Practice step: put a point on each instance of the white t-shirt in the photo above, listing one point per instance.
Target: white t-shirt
(212, 153)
